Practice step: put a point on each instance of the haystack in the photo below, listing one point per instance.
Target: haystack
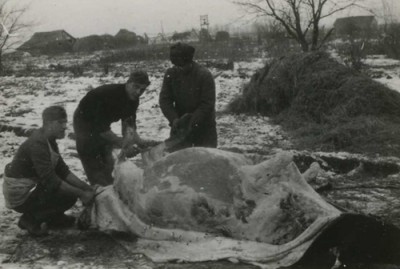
(340, 105)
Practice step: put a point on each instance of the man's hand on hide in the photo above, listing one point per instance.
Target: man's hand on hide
(146, 144)
(112, 138)
(131, 151)
(87, 197)
(181, 126)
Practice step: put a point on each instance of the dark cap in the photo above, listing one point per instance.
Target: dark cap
(181, 53)
(53, 113)
(139, 77)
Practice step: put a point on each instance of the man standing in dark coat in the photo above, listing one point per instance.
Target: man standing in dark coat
(189, 89)
(92, 121)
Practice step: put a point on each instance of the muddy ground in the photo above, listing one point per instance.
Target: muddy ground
(353, 183)
(354, 191)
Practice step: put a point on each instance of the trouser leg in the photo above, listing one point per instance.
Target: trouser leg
(96, 158)
(42, 205)
(99, 168)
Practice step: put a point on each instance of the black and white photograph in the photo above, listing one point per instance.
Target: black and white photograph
(194, 134)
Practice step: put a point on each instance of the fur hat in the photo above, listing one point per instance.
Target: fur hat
(181, 54)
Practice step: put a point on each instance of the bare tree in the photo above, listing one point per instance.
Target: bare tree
(300, 18)
(391, 29)
(11, 25)
(387, 12)
(269, 30)
(273, 37)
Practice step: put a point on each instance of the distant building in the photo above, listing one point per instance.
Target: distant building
(222, 36)
(122, 40)
(191, 36)
(125, 38)
(93, 43)
(53, 42)
(204, 36)
(355, 26)
(159, 39)
(141, 40)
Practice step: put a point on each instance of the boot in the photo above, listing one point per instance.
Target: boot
(61, 221)
(34, 228)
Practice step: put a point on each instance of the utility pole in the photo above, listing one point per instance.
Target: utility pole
(162, 32)
(204, 22)
(162, 28)
(204, 35)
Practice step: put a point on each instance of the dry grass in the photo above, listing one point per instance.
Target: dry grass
(325, 105)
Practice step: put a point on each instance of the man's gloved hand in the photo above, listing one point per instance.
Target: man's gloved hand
(148, 144)
(194, 122)
(131, 150)
(87, 197)
(181, 126)
(95, 187)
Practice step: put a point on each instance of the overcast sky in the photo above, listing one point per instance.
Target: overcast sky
(86, 17)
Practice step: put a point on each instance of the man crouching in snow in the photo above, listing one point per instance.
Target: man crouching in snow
(38, 183)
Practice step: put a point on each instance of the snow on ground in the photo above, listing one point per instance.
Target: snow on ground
(22, 100)
(381, 60)
(250, 134)
(385, 70)
(390, 77)
(380, 68)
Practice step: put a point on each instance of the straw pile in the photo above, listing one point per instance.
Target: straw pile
(324, 103)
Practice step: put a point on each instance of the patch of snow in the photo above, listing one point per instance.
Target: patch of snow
(380, 60)
(393, 82)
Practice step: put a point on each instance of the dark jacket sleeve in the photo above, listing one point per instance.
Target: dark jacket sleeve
(131, 120)
(62, 169)
(207, 99)
(166, 98)
(40, 156)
